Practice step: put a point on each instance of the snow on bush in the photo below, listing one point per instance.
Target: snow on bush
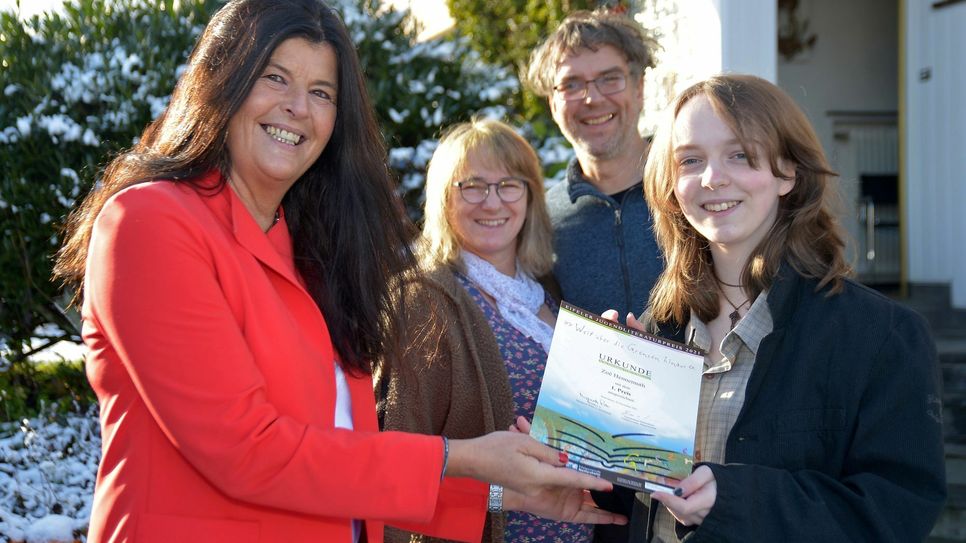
(107, 69)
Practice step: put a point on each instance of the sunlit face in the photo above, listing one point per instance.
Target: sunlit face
(727, 201)
(285, 122)
(598, 125)
(490, 228)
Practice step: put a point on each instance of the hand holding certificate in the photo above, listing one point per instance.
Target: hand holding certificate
(622, 404)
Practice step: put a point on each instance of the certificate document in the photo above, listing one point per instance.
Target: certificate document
(622, 404)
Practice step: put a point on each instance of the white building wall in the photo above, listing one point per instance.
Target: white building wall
(935, 120)
(681, 59)
(700, 38)
(853, 66)
(749, 37)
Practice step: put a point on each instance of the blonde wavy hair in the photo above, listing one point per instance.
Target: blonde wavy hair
(498, 145)
(806, 233)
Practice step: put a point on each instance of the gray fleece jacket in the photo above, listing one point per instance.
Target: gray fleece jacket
(606, 256)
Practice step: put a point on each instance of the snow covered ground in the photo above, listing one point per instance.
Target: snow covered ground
(47, 470)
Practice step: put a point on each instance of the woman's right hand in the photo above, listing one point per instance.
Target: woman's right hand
(534, 476)
(517, 462)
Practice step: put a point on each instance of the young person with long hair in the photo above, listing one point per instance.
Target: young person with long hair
(819, 416)
(234, 268)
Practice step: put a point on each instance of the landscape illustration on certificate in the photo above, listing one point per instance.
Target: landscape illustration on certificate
(621, 404)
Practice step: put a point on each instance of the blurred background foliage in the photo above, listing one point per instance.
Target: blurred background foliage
(77, 87)
(80, 84)
(504, 32)
(51, 387)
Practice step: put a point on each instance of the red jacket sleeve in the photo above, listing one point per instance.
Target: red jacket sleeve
(460, 514)
(160, 291)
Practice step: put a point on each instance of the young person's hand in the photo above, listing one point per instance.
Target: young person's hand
(698, 493)
(631, 320)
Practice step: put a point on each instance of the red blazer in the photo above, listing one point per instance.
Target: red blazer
(215, 375)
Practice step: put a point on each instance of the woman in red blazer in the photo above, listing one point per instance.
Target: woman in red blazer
(234, 267)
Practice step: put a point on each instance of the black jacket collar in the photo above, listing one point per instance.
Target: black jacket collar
(783, 298)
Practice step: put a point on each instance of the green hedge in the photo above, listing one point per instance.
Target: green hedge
(504, 32)
(27, 390)
(78, 86)
(420, 88)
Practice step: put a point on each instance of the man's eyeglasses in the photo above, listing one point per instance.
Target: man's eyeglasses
(475, 190)
(575, 89)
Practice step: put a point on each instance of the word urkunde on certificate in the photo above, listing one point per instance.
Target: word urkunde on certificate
(622, 404)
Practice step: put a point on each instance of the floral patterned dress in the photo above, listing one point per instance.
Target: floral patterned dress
(525, 360)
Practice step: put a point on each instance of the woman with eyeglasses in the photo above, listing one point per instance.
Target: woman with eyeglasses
(483, 311)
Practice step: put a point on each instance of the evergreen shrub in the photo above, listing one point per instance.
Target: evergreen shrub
(79, 86)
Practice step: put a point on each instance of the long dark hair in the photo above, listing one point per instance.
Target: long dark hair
(806, 233)
(348, 232)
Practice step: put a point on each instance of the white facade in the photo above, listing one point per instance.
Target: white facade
(700, 38)
(749, 37)
(935, 144)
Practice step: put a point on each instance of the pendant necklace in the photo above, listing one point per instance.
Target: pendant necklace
(735, 316)
(275, 218)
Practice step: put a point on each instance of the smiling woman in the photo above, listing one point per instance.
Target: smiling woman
(815, 408)
(730, 202)
(483, 319)
(237, 268)
(282, 126)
